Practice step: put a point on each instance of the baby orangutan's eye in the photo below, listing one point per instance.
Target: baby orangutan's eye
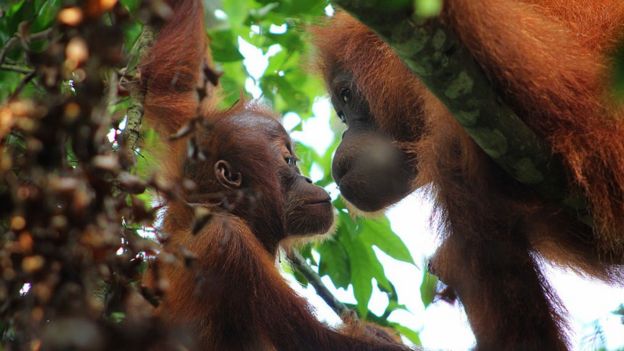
(291, 160)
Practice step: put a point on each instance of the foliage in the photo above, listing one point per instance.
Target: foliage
(427, 8)
(618, 73)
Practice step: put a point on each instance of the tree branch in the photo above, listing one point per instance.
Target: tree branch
(22, 84)
(15, 68)
(9, 45)
(15, 39)
(299, 263)
(433, 53)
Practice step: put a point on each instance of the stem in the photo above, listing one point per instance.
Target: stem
(9, 45)
(15, 39)
(299, 263)
(22, 84)
(15, 68)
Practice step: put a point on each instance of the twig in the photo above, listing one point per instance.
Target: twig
(22, 84)
(15, 68)
(40, 35)
(299, 263)
(30, 74)
(16, 39)
(111, 91)
(9, 45)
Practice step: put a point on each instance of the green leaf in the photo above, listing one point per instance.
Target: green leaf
(393, 306)
(296, 100)
(618, 72)
(345, 223)
(301, 279)
(265, 10)
(46, 15)
(232, 83)
(117, 317)
(291, 41)
(15, 8)
(410, 334)
(428, 288)
(8, 83)
(427, 8)
(224, 46)
(379, 233)
(361, 276)
(334, 263)
(300, 7)
(364, 267)
(306, 156)
(146, 161)
(236, 11)
(24, 11)
(131, 5)
(132, 32)
(147, 197)
(306, 252)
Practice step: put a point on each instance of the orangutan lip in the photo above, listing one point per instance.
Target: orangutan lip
(321, 201)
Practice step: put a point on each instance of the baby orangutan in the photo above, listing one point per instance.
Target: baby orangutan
(250, 196)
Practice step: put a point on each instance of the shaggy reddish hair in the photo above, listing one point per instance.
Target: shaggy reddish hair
(549, 61)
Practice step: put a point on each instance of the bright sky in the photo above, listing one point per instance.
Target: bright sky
(441, 326)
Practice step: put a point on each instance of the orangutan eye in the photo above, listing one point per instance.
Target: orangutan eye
(291, 160)
(345, 95)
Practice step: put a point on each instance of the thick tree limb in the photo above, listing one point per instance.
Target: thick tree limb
(434, 54)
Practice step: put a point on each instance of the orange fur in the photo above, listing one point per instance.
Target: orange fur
(549, 61)
(565, 84)
(171, 69)
(549, 69)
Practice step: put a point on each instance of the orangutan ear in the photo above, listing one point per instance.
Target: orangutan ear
(226, 176)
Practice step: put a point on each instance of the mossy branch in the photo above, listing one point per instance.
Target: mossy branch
(435, 55)
(132, 132)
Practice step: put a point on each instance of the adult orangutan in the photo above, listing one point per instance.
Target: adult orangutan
(548, 60)
(250, 196)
